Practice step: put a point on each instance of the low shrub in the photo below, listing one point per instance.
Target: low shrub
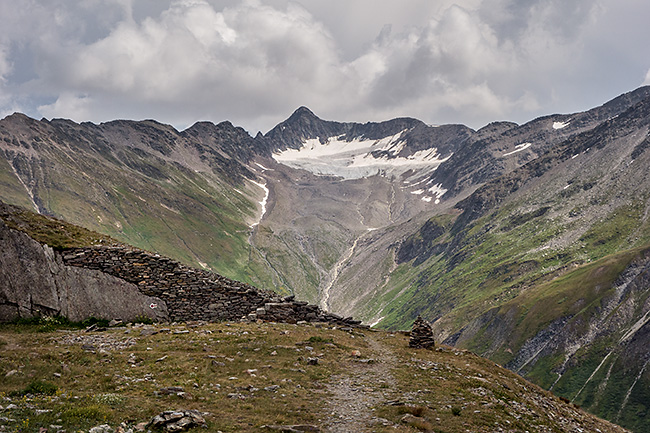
(39, 387)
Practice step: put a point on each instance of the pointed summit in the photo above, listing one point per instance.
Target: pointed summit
(303, 112)
(303, 124)
(302, 115)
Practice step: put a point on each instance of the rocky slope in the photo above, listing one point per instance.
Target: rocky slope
(544, 269)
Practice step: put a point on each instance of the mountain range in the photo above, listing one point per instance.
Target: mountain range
(528, 244)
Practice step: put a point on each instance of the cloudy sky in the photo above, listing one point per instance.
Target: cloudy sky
(255, 61)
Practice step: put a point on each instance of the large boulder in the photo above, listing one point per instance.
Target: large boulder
(36, 282)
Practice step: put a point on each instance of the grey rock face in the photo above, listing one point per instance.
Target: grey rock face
(36, 282)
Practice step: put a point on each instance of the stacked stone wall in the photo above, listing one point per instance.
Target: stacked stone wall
(194, 294)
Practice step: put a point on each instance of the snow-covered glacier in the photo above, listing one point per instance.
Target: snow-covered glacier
(359, 157)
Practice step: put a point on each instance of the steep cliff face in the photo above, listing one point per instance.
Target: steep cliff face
(35, 281)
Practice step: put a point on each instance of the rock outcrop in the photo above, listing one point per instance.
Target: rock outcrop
(36, 281)
(177, 420)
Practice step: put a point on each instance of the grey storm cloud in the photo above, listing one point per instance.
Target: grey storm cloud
(255, 61)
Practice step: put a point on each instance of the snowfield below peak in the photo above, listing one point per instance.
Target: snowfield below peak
(358, 158)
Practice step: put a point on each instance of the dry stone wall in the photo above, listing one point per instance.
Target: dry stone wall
(190, 294)
(193, 294)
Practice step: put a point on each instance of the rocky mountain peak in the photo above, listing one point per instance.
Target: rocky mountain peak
(302, 125)
(301, 113)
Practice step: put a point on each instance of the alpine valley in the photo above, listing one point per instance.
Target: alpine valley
(526, 244)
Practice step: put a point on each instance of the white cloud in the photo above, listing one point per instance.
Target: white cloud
(254, 61)
(5, 63)
(244, 59)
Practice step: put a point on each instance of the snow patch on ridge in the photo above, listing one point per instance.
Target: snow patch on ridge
(560, 125)
(519, 148)
(358, 158)
(437, 191)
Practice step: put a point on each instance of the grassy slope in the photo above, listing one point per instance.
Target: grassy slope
(502, 254)
(193, 217)
(226, 370)
(56, 233)
(11, 190)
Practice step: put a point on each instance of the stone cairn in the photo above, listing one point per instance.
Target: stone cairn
(421, 335)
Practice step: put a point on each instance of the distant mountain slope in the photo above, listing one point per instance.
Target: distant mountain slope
(183, 194)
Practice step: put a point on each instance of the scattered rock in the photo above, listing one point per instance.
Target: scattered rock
(177, 420)
(421, 335)
(93, 342)
(170, 390)
(95, 328)
(146, 332)
(104, 428)
(411, 419)
(293, 428)
(312, 361)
